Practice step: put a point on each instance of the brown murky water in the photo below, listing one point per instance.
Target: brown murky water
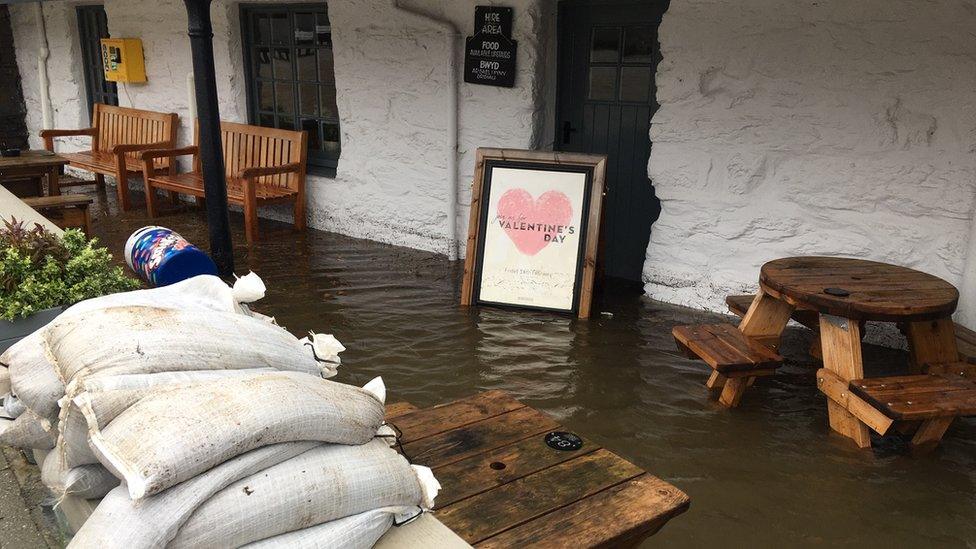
(768, 474)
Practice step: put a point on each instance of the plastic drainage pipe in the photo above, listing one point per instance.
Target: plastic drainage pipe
(47, 119)
(451, 35)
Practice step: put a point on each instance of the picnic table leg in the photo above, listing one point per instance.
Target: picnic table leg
(931, 342)
(842, 355)
(53, 180)
(764, 322)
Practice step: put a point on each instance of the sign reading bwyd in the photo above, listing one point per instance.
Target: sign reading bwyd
(489, 55)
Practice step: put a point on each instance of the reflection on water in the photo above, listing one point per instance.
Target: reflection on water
(765, 475)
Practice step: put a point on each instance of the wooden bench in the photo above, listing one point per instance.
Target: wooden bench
(263, 166)
(71, 210)
(736, 359)
(118, 135)
(932, 401)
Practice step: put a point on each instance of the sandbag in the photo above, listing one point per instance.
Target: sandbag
(88, 481)
(107, 397)
(27, 432)
(360, 531)
(4, 380)
(33, 377)
(147, 340)
(12, 406)
(184, 432)
(323, 484)
(119, 522)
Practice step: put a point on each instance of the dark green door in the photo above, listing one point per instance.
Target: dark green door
(608, 55)
(92, 27)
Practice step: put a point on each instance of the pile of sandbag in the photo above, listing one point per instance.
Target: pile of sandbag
(203, 424)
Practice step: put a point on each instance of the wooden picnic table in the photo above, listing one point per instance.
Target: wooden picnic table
(35, 165)
(504, 486)
(845, 293)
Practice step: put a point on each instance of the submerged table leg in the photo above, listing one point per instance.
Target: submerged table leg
(932, 342)
(766, 319)
(842, 355)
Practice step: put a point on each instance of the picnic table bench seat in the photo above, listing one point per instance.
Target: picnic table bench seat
(736, 359)
(118, 135)
(263, 166)
(70, 210)
(931, 400)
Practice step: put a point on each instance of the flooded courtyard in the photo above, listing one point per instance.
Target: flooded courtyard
(767, 474)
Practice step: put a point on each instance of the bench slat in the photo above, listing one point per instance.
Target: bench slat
(725, 348)
(919, 397)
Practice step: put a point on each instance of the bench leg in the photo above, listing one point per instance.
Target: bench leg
(174, 197)
(300, 214)
(733, 390)
(150, 201)
(122, 186)
(842, 355)
(99, 182)
(929, 434)
(715, 383)
(201, 202)
(250, 218)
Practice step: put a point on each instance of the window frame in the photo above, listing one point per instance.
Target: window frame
(319, 162)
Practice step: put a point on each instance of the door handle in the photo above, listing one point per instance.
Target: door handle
(568, 131)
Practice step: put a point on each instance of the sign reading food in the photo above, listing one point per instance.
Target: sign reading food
(489, 55)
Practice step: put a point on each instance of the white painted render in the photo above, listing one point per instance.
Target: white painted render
(392, 84)
(786, 128)
(800, 128)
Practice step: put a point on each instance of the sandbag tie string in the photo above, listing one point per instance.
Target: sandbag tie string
(409, 520)
(316, 357)
(397, 440)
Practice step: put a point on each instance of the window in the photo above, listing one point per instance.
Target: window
(290, 79)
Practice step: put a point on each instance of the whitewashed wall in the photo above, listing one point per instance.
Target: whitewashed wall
(392, 90)
(791, 128)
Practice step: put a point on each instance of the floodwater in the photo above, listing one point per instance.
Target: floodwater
(768, 474)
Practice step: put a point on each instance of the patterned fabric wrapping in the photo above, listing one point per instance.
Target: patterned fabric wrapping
(184, 432)
(120, 523)
(326, 483)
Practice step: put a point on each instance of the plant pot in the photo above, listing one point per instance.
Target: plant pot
(12, 332)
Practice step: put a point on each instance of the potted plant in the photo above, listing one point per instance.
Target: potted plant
(41, 273)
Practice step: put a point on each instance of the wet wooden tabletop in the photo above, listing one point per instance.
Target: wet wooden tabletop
(874, 291)
(503, 486)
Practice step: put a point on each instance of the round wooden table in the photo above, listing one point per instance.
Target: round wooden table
(846, 292)
(859, 290)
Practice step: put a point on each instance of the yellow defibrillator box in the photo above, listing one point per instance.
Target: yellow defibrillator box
(122, 60)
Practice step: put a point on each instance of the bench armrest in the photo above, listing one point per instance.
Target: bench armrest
(250, 173)
(49, 135)
(169, 153)
(122, 149)
(67, 133)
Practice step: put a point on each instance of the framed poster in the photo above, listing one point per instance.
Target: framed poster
(534, 228)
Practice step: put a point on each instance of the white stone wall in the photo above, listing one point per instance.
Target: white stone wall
(392, 84)
(793, 128)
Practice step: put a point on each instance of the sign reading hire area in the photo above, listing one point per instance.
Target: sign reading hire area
(489, 55)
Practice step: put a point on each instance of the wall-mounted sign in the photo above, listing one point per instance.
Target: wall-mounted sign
(489, 55)
(534, 228)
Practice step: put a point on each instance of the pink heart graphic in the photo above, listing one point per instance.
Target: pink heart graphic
(528, 222)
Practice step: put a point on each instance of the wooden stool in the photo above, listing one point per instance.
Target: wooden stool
(736, 360)
(71, 210)
(932, 400)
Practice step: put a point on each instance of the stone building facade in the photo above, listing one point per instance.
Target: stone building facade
(784, 127)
